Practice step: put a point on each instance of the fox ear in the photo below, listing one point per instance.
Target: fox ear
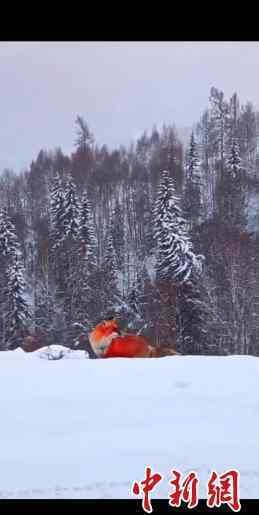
(109, 318)
(111, 321)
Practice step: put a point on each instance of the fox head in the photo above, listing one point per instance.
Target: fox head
(103, 334)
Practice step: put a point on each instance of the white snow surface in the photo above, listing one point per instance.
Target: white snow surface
(86, 428)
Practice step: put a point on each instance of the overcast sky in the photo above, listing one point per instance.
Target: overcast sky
(120, 88)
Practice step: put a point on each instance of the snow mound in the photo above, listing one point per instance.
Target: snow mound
(55, 352)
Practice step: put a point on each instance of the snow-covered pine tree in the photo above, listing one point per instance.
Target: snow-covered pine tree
(192, 191)
(135, 303)
(234, 161)
(239, 188)
(219, 115)
(231, 194)
(46, 309)
(109, 260)
(175, 257)
(18, 313)
(65, 247)
(135, 298)
(84, 138)
(9, 246)
(8, 239)
(71, 257)
(57, 232)
(86, 234)
(110, 271)
(86, 273)
(57, 211)
(118, 233)
(190, 317)
(177, 264)
(171, 156)
(71, 210)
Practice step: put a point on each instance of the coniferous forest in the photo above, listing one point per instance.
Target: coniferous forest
(163, 235)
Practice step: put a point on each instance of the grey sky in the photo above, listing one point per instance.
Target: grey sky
(120, 88)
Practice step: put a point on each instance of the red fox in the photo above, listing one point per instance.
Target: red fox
(107, 342)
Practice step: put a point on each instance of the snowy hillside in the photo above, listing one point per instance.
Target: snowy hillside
(88, 428)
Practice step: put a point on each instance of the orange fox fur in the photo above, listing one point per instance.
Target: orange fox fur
(107, 343)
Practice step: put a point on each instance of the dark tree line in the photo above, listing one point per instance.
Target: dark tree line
(161, 234)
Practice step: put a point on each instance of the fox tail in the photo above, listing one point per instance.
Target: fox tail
(156, 352)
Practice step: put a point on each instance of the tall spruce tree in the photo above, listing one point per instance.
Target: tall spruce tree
(87, 272)
(110, 290)
(84, 138)
(65, 248)
(219, 114)
(190, 317)
(8, 239)
(177, 264)
(118, 233)
(57, 233)
(175, 257)
(71, 256)
(71, 210)
(45, 313)
(192, 190)
(231, 191)
(57, 211)
(86, 234)
(9, 251)
(137, 300)
(18, 314)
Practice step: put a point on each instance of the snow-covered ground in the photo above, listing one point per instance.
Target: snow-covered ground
(85, 428)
